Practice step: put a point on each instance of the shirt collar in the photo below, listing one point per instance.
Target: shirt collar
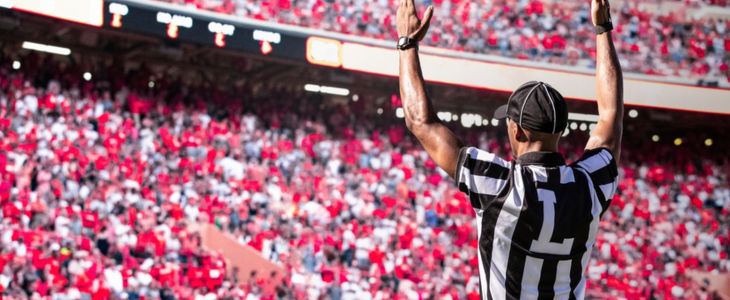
(551, 159)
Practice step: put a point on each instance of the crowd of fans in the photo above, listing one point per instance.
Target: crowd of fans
(102, 180)
(649, 42)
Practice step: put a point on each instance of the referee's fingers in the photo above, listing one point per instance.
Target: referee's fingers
(427, 17)
(411, 5)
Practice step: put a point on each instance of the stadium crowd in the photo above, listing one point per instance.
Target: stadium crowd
(649, 42)
(102, 180)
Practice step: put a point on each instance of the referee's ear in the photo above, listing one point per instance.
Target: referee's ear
(519, 134)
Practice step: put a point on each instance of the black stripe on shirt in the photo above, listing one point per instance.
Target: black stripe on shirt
(530, 219)
(602, 176)
(547, 280)
(606, 174)
(576, 274)
(474, 198)
(478, 167)
(584, 208)
(488, 169)
(490, 214)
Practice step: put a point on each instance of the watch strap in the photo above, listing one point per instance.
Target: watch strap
(406, 43)
(605, 27)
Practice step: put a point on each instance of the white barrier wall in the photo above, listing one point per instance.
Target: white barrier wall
(505, 77)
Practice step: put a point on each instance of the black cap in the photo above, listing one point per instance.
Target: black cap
(536, 106)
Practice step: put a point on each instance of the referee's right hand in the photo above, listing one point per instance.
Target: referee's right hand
(601, 12)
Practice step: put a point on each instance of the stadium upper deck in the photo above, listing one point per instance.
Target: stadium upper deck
(675, 43)
(178, 26)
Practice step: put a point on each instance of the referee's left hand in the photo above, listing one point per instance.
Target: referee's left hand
(407, 21)
(600, 12)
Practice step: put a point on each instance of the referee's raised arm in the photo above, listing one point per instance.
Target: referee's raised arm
(609, 84)
(438, 140)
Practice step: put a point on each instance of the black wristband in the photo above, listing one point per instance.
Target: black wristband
(605, 27)
(405, 43)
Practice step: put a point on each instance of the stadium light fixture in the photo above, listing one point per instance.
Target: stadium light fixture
(678, 142)
(633, 113)
(708, 142)
(334, 91)
(583, 127)
(485, 122)
(573, 125)
(444, 116)
(46, 48)
(399, 113)
(454, 117)
(583, 117)
(466, 122)
(16, 65)
(495, 122)
(380, 110)
(355, 97)
(471, 120)
(312, 88)
(655, 138)
(151, 84)
(87, 76)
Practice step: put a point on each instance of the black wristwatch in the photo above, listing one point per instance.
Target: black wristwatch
(405, 42)
(605, 27)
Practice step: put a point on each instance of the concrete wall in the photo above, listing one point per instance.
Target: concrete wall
(242, 256)
(719, 283)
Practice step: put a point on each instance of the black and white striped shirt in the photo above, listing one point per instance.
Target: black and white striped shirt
(537, 219)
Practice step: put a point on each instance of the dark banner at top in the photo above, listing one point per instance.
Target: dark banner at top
(178, 25)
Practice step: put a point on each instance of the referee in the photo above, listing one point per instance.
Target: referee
(537, 217)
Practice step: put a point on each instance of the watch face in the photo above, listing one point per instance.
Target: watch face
(402, 41)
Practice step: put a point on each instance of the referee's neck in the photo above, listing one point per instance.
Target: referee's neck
(535, 146)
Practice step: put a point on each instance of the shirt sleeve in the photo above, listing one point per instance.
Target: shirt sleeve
(481, 175)
(603, 172)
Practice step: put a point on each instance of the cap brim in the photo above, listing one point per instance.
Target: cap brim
(501, 112)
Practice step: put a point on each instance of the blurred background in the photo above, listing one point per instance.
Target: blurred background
(256, 149)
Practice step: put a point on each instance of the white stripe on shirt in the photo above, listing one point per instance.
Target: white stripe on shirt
(596, 209)
(503, 231)
(595, 162)
(481, 184)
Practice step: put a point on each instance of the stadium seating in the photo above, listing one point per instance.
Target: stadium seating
(101, 180)
(663, 44)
